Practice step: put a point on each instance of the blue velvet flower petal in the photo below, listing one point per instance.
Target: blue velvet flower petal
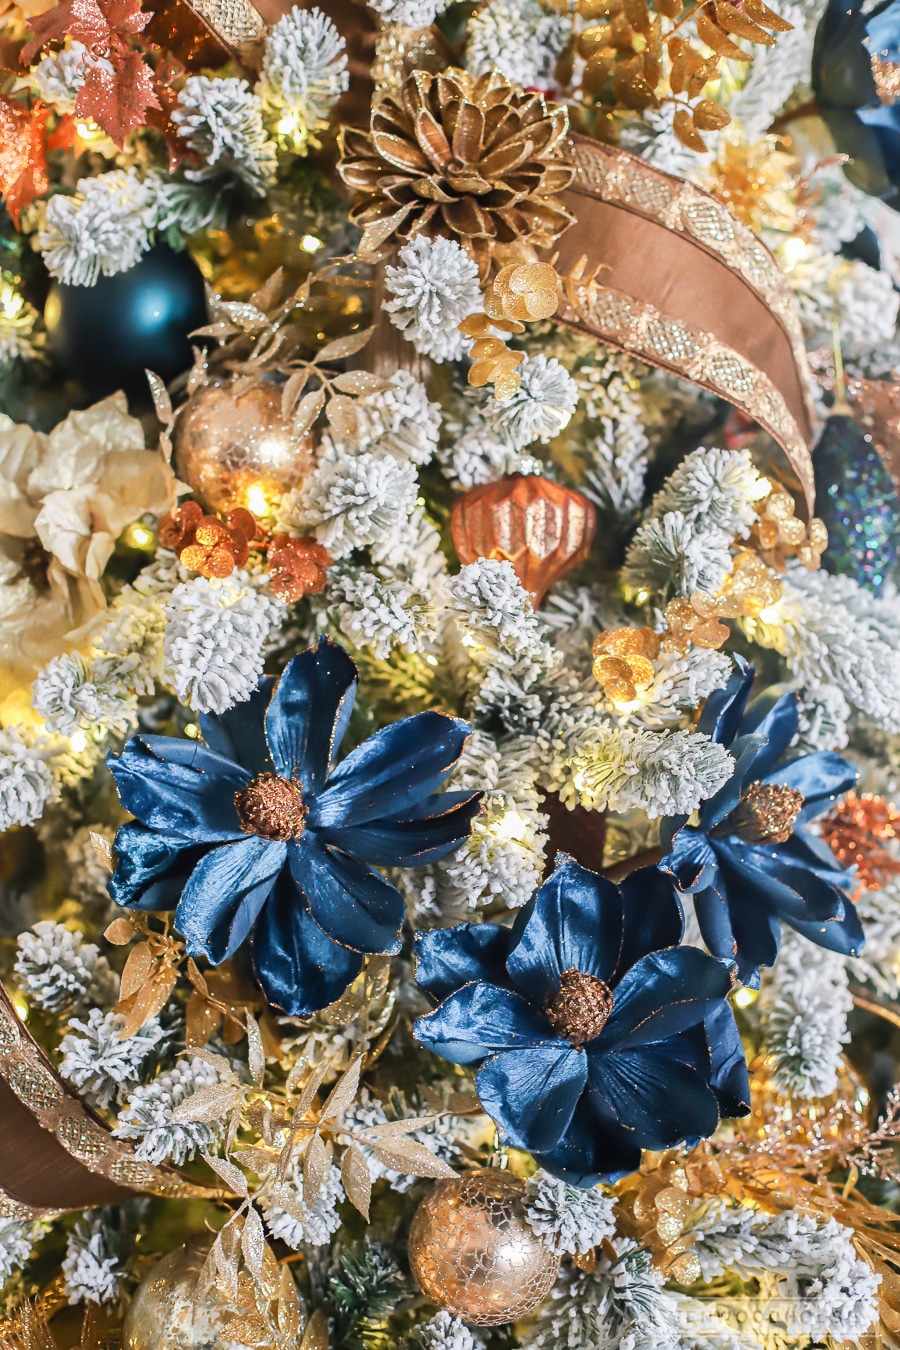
(773, 714)
(729, 1079)
(652, 916)
(662, 1100)
(238, 733)
(843, 934)
(573, 922)
(722, 713)
(662, 994)
(480, 1019)
(224, 895)
(354, 905)
(152, 867)
(299, 967)
(179, 787)
(691, 861)
(805, 849)
(594, 1148)
(392, 770)
(531, 1093)
(429, 831)
(309, 713)
(791, 892)
(448, 958)
(821, 778)
(737, 924)
(746, 751)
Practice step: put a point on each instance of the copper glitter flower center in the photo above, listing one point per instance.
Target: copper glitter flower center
(767, 813)
(272, 807)
(580, 1008)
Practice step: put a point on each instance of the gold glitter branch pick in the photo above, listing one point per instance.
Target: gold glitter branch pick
(623, 661)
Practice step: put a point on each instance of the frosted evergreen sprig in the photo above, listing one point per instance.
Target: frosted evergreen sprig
(352, 501)
(58, 971)
(92, 1269)
(148, 1120)
(684, 545)
(101, 1065)
(571, 1220)
(221, 120)
(18, 1238)
(215, 635)
(104, 228)
(443, 1332)
(289, 1218)
(804, 1008)
(73, 693)
(304, 72)
(522, 38)
(433, 290)
(540, 408)
(26, 779)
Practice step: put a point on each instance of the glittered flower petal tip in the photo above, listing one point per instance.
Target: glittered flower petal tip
(749, 861)
(258, 834)
(596, 1036)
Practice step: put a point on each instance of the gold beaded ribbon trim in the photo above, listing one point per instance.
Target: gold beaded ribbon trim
(55, 1155)
(672, 277)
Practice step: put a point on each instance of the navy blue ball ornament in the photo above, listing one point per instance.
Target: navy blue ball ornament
(857, 499)
(105, 336)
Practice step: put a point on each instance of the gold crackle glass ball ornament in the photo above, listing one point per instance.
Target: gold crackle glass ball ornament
(237, 449)
(472, 1252)
(162, 1314)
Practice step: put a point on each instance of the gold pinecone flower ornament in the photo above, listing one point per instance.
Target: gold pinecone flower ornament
(481, 161)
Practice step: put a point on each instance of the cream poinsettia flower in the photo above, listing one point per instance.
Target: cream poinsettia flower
(65, 497)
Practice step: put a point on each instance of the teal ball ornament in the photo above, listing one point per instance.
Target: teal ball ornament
(104, 337)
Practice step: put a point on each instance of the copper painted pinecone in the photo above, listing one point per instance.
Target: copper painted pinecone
(481, 161)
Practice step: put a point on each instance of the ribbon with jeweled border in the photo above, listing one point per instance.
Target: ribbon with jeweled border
(55, 1154)
(681, 283)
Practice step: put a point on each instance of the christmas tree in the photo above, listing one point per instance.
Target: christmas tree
(449, 675)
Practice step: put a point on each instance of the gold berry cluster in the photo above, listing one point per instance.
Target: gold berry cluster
(782, 535)
(520, 292)
(623, 661)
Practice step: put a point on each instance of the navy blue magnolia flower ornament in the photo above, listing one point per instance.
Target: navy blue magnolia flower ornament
(749, 862)
(597, 1035)
(855, 66)
(255, 830)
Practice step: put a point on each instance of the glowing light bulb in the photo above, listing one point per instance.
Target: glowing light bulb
(21, 1008)
(744, 997)
(78, 742)
(642, 597)
(88, 131)
(310, 244)
(11, 302)
(288, 124)
(257, 502)
(511, 826)
(431, 660)
(138, 536)
(771, 614)
(192, 731)
(795, 250)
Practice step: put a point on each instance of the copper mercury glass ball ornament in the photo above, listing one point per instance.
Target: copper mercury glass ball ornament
(473, 1253)
(544, 529)
(162, 1314)
(237, 449)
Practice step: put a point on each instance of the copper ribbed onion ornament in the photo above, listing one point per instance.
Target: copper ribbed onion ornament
(473, 1253)
(237, 449)
(544, 529)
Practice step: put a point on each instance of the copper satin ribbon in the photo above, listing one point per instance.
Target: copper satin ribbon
(55, 1154)
(683, 284)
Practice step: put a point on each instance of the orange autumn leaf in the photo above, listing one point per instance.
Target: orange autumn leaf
(23, 160)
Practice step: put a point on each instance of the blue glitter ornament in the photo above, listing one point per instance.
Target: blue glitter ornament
(857, 500)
